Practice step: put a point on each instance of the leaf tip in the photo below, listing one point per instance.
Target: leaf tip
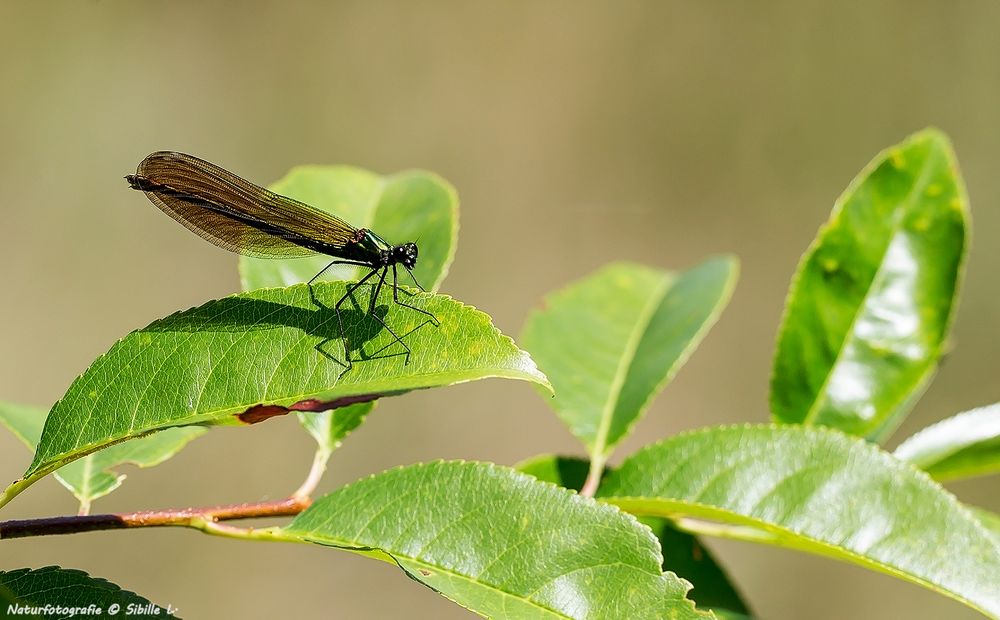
(931, 134)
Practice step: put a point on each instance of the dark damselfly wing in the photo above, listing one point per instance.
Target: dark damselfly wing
(235, 214)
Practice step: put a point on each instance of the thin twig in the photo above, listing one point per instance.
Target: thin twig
(184, 517)
(204, 519)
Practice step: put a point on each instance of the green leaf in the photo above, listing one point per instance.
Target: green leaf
(819, 491)
(613, 340)
(409, 206)
(566, 471)
(93, 476)
(329, 428)
(962, 446)
(501, 543)
(255, 355)
(25, 421)
(684, 555)
(990, 520)
(45, 589)
(869, 309)
(402, 207)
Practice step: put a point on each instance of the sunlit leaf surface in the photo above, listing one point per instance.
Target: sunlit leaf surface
(819, 491)
(870, 306)
(501, 543)
(251, 356)
(683, 553)
(613, 340)
(962, 446)
(409, 206)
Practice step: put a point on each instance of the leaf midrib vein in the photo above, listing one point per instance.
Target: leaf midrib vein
(918, 186)
(624, 365)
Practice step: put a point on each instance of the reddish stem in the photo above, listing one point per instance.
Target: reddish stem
(184, 517)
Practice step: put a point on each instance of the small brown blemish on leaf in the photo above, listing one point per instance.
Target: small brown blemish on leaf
(424, 572)
(259, 413)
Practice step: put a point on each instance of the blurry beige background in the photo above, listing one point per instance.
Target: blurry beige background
(576, 134)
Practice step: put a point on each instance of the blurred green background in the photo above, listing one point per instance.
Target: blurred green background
(575, 133)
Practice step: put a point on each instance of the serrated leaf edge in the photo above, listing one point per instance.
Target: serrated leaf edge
(839, 553)
(495, 468)
(537, 377)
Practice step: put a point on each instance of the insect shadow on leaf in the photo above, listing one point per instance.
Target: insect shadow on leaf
(358, 325)
(234, 314)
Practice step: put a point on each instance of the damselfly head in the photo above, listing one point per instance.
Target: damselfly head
(405, 254)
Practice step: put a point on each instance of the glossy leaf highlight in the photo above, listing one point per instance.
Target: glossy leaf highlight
(501, 543)
(613, 340)
(869, 309)
(962, 446)
(819, 491)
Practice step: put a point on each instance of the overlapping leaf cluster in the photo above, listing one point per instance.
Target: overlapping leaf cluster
(865, 325)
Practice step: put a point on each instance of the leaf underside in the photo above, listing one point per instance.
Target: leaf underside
(94, 475)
